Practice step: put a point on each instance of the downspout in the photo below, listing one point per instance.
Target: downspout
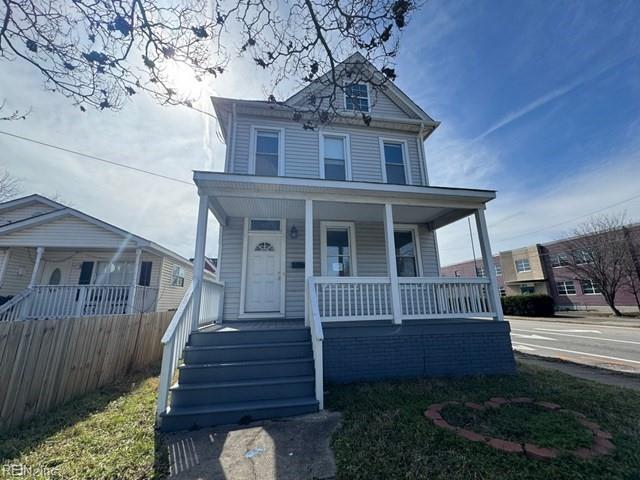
(421, 155)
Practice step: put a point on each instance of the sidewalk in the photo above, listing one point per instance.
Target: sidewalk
(600, 375)
(610, 322)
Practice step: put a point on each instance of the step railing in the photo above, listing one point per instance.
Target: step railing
(317, 337)
(176, 336)
(10, 311)
(443, 297)
(353, 298)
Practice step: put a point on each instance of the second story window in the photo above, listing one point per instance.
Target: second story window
(559, 260)
(394, 168)
(522, 265)
(267, 152)
(335, 157)
(498, 268)
(480, 271)
(356, 97)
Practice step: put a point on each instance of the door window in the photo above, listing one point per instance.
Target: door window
(55, 277)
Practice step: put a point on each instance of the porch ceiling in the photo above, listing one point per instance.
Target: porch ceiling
(283, 197)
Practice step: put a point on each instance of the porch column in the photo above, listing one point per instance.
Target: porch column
(392, 268)
(36, 266)
(308, 256)
(134, 281)
(198, 260)
(487, 262)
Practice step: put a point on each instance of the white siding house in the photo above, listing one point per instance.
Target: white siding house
(329, 258)
(56, 261)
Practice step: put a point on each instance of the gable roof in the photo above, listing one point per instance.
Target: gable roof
(401, 99)
(62, 211)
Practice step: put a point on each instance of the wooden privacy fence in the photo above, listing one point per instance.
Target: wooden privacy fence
(45, 363)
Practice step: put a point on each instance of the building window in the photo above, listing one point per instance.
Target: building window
(559, 260)
(503, 292)
(582, 256)
(394, 162)
(335, 157)
(456, 273)
(589, 288)
(480, 271)
(527, 289)
(177, 277)
(264, 225)
(406, 253)
(267, 153)
(566, 287)
(522, 265)
(144, 280)
(114, 273)
(498, 268)
(356, 97)
(337, 249)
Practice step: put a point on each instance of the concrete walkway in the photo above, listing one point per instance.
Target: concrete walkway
(600, 375)
(560, 318)
(289, 449)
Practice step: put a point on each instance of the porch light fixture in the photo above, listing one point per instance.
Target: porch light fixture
(293, 233)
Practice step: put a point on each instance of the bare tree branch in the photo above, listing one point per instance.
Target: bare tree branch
(10, 187)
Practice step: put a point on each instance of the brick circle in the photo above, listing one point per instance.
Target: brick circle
(601, 445)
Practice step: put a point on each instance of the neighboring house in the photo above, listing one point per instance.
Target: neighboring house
(542, 268)
(56, 261)
(329, 260)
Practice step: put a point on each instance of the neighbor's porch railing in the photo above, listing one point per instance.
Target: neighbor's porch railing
(442, 297)
(369, 298)
(177, 334)
(62, 301)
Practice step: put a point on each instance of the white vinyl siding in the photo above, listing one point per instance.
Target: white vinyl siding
(18, 271)
(302, 149)
(25, 211)
(169, 296)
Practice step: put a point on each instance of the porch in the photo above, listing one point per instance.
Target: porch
(377, 290)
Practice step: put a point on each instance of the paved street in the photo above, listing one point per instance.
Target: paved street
(616, 348)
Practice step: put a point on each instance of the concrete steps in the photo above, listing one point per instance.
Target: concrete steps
(241, 376)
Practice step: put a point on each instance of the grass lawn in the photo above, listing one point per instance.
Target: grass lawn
(106, 434)
(385, 435)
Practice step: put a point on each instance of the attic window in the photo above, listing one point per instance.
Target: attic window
(356, 97)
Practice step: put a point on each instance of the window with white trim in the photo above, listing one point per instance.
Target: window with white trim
(566, 287)
(356, 97)
(503, 292)
(267, 154)
(114, 273)
(498, 267)
(337, 250)
(522, 265)
(480, 271)
(406, 253)
(335, 157)
(589, 288)
(527, 289)
(177, 276)
(559, 260)
(582, 256)
(394, 162)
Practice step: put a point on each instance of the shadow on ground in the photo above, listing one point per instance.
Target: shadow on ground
(289, 449)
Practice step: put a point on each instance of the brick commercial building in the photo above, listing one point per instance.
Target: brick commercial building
(543, 268)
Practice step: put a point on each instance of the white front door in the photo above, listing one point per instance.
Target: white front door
(263, 282)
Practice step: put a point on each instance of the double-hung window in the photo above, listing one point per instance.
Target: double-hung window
(177, 276)
(589, 288)
(498, 267)
(480, 271)
(566, 287)
(356, 97)
(337, 249)
(522, 265)
(335, 157)
(114, 273)
(394, 167)
(406, 252)
(267, 152)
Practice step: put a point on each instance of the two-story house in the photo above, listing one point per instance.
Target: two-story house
(329, 258)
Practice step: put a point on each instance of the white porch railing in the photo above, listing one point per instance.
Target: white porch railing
(353, 298)
(442, 297)
(62, 301)
(177, 334)
(317, 337)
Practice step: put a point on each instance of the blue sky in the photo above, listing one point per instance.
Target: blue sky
(538, 100)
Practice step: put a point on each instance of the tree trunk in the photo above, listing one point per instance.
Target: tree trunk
(611, 302)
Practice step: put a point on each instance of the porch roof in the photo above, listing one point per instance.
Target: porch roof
(241, 195)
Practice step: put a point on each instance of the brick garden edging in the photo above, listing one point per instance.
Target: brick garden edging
(601, 439)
